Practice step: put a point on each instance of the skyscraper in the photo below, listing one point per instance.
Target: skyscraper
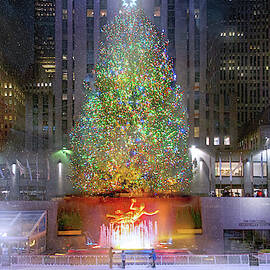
(244, 58)
(39, 120)
(78, 30)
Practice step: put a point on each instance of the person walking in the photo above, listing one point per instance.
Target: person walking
(123, 257)
(154, 257)
(111, 257)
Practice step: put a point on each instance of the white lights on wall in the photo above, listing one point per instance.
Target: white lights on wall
(216, 141)
(227, 140)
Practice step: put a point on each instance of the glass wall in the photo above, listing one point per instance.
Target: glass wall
(236, 167)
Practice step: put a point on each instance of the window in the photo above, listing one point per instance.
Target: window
(207, 141)
(157, 12)
(103, 12)
(216, 141)
(90, 13)
(237, 169)
(227, 140)
(258, 168)
(196, 132)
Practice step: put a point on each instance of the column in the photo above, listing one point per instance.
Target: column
(50, 119)
(40, 121)
(96, 28)
(248, 185)
(80, 53)
(203, 68)
(58, 74)
(164, 16)
(70, 65)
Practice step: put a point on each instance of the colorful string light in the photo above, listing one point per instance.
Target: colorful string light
(132, 133)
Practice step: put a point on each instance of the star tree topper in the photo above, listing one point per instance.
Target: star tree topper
(129, 3)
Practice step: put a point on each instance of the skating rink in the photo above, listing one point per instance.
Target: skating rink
(84, 267)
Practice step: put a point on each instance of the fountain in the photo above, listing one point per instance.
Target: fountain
(125, 231)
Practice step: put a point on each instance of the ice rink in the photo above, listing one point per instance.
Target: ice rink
(184, 267)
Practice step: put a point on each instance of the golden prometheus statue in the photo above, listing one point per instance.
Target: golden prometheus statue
(131, 216)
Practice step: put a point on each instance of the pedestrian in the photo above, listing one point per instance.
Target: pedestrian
(154, 257)
(123, 257)
(111, 257)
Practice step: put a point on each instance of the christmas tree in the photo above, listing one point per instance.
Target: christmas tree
(132, 132)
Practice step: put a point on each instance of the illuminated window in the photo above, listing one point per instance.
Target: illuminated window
(259, 168)
(207, 141)
(6, 85)
(103, 13)
(10, 93)
(10, 117)
(65, 76)
(157, 12)
(196, 13)
(196, 132)
(237, 169)
(227, 140)
(10, 85)
(64, 14)
(6, 117)
(216, 141)
(90, 13)
(6, 94)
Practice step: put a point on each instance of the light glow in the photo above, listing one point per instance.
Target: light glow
(129, 236)
(129, 3)
(123, 233)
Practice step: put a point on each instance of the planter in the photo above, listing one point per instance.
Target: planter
(69, 233)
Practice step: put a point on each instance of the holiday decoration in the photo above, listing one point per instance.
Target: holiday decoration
(132, 132)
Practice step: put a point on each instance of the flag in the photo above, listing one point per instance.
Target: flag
(230, 158)
(48, 169)
(21, 167)
(37, 172)
(251, 169)
(1, 173)
(220, 166)
(261, 164)
(29, 169)
(9, 169)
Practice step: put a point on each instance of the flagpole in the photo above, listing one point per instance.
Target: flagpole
(242, 174)
(220, 175)
(251, 175)
(262, 171)
(230, 158)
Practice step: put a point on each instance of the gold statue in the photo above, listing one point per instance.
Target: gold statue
(130, 217)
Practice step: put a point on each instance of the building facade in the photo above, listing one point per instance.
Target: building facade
(77, 32)
(39, 117)
(12, 108)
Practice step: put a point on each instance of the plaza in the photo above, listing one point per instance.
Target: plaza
(137, 132)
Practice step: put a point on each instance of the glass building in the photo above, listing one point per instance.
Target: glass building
(24, 232)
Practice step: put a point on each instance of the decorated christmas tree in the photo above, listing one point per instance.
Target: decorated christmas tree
(132, 132)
